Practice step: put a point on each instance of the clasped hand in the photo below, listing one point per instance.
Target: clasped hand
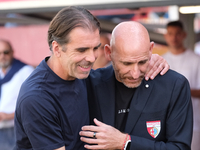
(106, 137)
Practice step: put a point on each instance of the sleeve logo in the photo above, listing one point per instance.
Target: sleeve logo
(153, 128)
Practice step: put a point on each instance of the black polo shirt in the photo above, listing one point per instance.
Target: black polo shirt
(123, 96)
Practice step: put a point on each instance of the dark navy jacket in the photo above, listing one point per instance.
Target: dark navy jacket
(160, 116)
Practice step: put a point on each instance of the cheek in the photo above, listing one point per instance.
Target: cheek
(123, 70)
(97, 53)
(74, 58)
(144, 68)
(170, 38)
(180, 39)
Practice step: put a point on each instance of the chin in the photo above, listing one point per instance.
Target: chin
(132, 85)
(83, 76)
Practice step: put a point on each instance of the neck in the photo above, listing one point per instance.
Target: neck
(4, 70)
(54, 65)
(57, 68)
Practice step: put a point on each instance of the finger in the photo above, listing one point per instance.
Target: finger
(157, 70)
(160, 66)
(155, 73)
(90, 140)
(150, 69)
(90, 128)
(87, 134)
(166, 68)
(162, 69)
(94, 147)
(151, 73)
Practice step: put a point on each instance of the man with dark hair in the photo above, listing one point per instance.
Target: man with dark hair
(175, 24)
(186, 62)
(129, 112)
(13, 72)
(52, 105)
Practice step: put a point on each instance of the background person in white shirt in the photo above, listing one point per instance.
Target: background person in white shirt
(187, 63)
(12, 74)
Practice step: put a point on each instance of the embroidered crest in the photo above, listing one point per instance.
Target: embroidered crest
(153, 127)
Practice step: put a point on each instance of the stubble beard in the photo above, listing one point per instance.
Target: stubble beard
(4, 64)
(129, 85)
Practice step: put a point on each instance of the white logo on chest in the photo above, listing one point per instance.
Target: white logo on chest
(123, 111)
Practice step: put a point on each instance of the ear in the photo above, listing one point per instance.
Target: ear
(107, 51)
(151, 46)
(56, 49)
(151, 49)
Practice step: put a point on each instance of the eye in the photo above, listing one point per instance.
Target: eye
(96, 48)
(143, 62)
(81, 50)
(127, 63)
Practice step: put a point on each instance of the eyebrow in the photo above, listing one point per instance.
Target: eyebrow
(85, 48)
(98, 46)
(143, 61)
(131, 62)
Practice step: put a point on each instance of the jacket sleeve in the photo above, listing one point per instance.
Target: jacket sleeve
(179, 122)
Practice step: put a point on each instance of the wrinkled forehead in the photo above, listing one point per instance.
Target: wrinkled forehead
(132, 45)
(131, 52)
(84, 38)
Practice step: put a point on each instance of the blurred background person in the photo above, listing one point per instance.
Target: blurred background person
(186, 62)
(197, 48)
(101, 60)
(12, 74)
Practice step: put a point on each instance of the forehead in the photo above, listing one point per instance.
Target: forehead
(131, 54)
(174, 29)
(84, 37)
(4, 46)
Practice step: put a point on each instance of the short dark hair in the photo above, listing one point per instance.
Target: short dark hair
(66, 20)
(177, 23)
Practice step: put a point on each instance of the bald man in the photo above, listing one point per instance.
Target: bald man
(13, 72)
(130, 113)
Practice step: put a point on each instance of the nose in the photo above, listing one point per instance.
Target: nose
(135, 71)
(2, 55)
(91, 56)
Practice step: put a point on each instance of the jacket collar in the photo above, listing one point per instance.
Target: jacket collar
(106, 97)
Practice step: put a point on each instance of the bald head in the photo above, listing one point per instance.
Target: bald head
(130, 33)
(130, 52)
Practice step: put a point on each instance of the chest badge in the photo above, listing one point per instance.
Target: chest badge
(153, 128)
